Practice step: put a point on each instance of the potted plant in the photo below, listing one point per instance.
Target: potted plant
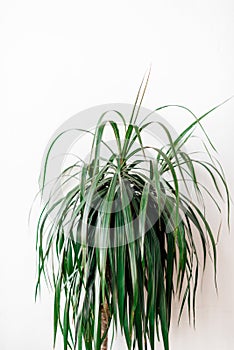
(124, 237)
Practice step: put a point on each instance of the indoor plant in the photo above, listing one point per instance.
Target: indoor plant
(129, 243)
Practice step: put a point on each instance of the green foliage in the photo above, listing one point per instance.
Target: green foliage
(145, 261)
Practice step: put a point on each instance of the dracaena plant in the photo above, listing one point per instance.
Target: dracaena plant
(127, 235)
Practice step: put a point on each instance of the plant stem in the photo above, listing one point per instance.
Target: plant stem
(104, 324)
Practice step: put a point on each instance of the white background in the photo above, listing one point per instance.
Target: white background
(59, 57)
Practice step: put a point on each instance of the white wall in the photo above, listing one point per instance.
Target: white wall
(59, 57)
